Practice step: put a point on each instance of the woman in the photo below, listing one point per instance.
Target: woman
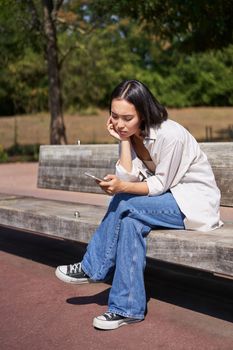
(162, 179)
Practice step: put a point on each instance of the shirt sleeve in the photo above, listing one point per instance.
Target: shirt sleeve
(168, 161)
(124, 175)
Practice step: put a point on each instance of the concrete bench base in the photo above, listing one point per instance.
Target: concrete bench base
(211, 251)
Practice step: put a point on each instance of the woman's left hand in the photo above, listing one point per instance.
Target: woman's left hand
(112, 185)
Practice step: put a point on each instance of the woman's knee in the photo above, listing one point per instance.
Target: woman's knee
(120, 198)
(120, 203)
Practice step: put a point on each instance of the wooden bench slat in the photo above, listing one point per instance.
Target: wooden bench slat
(63, 167)
(209, 251)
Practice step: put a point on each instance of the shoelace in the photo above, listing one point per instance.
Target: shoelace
(76, 268)
(110, 315)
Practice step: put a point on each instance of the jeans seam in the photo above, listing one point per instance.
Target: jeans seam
(155, 211)
(132, 268)
(108, 252)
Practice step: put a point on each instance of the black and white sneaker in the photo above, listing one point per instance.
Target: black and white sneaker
(110, 320)
(72, 274)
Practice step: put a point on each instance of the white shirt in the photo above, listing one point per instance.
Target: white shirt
(181, 167)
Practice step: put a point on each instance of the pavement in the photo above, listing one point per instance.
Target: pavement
(40, 312)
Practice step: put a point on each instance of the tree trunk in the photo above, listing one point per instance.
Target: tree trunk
(57, 127)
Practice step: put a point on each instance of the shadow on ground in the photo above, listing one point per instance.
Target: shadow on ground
(99, 298)
(188, 288)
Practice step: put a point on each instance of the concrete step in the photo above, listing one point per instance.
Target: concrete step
(209, 251)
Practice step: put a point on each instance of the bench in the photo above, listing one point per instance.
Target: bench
(63, 167)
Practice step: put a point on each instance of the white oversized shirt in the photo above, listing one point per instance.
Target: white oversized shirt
(181, 167)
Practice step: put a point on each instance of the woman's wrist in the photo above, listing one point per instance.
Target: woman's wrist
(125, 154)
(126, 140)
(140, 188)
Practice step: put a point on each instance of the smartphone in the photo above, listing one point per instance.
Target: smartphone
(94, 177)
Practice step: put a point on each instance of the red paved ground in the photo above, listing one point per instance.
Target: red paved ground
(38, 312)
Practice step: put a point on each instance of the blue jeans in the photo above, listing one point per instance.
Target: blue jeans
(120, 243)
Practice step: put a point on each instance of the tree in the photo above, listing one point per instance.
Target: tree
(32, 26)
(90, 50)
(190, 25)
(57, 127)
(105, 56)
(15, 38)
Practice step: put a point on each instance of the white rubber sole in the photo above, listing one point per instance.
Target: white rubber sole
(111, 325)
(67, 279)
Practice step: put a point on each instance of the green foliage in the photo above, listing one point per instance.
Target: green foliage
(200, 80)
(102, 60)
(3, 155)
(177, 80)
(24, 152)
(24, 83)
(191, 25)
(99, 48)
(22, 74)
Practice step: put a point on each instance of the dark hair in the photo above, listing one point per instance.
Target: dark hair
(149, 109)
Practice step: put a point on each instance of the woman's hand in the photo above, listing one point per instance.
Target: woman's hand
(112, 130)
(112, 185)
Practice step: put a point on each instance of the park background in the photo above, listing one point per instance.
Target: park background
(60, 60)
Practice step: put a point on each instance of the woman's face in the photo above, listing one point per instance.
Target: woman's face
(125, 118)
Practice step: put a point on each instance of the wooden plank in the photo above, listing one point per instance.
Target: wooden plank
(220, 156)
(209, 251)
(63, 167)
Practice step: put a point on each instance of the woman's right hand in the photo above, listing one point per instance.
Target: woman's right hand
(111, 129)
(125, 149)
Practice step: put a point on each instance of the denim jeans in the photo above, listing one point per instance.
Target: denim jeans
(119, 244)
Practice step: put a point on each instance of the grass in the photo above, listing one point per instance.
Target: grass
(34, 129)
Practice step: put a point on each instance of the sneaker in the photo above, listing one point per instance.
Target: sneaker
(72, 274)
(110, 320)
